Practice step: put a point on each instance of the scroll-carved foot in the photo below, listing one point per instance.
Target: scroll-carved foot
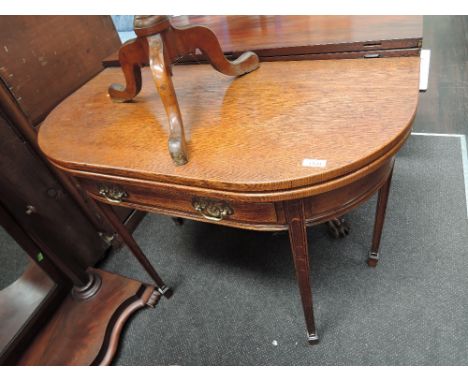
(204, 39)
(132, 55)
(338, 228)
(153, 300)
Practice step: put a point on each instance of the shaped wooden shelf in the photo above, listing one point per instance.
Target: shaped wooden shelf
(86, 332)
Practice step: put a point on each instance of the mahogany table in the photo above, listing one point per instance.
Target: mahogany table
(290, 145)
(278, 38)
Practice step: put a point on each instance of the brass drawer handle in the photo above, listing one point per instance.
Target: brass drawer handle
(113, 194)
(214, 210)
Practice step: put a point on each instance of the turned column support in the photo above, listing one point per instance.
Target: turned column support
(159, 44)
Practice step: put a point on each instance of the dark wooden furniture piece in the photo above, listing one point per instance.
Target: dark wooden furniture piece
(27, 303)
(288, 146)
(33, 315)
(279, 38)
(19, 302)
(159, 44)
(44, 59)
(40, 203)
(87, 332)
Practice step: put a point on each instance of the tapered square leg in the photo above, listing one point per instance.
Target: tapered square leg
(294, 211)
(382, 200)
(128, 239)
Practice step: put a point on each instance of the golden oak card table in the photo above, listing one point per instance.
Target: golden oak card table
(290, 145)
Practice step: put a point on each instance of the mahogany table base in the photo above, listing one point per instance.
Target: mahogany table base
(296, 224)
(86, 332)
(291, 145)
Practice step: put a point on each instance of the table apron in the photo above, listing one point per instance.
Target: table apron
(261, 216)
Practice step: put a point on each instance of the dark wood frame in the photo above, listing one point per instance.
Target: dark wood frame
(41, 314)
(37, 341)
(19, 120)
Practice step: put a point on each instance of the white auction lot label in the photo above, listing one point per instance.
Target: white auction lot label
(321, 163)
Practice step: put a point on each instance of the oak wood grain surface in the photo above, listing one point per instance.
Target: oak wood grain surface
(326, 201)
(247, 134)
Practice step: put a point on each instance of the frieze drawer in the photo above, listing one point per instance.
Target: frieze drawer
(203, 208)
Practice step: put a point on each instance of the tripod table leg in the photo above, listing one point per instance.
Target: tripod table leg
(128, 239)
(382, 200)
(294, 211)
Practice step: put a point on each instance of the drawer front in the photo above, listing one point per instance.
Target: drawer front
(168, 202)
(322, 207)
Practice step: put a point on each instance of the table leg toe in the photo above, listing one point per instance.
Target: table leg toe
(166, 291)
(373, 259)
(313, 339)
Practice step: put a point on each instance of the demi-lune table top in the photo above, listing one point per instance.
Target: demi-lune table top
(250, 133)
